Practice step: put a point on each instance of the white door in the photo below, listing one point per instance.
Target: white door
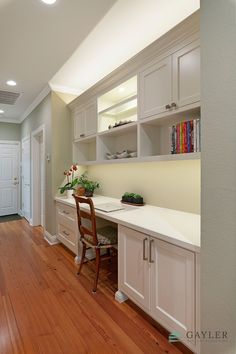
(133, 265)
(155, 86)
(186, 75)
(9, 178)
(25, 151)
(91, 119)
(79, 124)
(172, 286)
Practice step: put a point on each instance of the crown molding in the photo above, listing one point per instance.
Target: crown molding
(9, 120)
(36, 102)
(66, 89)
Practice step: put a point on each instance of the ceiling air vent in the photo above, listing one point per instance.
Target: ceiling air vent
(7, 97)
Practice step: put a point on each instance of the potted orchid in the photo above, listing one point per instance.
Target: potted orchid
(71, 181)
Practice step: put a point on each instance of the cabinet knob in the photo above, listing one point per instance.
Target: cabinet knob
(168, 106)
(82, 135)
(173, 105)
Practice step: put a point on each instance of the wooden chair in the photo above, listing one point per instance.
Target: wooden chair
(105, 237)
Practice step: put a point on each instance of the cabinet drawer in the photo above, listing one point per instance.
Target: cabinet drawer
(67, 233)
(66, 211)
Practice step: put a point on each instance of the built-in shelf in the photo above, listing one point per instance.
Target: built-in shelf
(118, 105)
(123, 129)
(85, 150)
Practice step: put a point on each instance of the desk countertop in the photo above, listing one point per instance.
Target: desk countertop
(176, 227)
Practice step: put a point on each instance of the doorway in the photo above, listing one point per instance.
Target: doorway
(9, 177)
(38, 177)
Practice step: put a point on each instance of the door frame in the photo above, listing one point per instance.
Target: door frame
(35, 176)
(18, 144)
(27, 137)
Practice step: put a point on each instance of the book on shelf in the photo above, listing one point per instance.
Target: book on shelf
(185, 137)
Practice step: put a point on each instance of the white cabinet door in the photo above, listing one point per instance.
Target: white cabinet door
(186, 75)
(155, 88)
(133, 266)
(79, 124)
(91, 119)
(172, 286)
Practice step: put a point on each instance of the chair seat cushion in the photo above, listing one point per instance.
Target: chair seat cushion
(106, 236)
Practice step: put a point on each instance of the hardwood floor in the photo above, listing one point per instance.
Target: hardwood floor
(46, 309)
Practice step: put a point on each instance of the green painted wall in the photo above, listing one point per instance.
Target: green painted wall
(10, 131)
(54, 115)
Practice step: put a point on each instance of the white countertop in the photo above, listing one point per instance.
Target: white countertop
(176, 227)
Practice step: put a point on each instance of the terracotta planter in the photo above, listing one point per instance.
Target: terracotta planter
(80, 191)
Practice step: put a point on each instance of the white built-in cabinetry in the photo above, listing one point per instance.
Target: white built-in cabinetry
(85, 120)
(160, 278)
(163, 90)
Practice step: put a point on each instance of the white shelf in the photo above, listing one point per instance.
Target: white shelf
(85, 150)
(123, 129)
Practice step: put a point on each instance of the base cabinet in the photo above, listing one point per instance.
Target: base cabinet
(160, 278)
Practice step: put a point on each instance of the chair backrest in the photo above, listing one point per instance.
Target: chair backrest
(86, 215)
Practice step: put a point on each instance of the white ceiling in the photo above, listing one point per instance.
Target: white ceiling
(36, 40)
(74, 43)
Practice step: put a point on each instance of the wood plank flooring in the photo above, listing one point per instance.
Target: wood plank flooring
(46, 309)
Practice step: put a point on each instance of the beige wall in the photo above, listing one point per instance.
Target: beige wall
(172, 184)
(10, 131)
(218, 252)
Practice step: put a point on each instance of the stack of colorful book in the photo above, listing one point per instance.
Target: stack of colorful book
(185, 137)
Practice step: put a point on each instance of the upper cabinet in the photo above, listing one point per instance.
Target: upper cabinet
(85, 120)
(171, 83)
(186, 75)
(155, 88)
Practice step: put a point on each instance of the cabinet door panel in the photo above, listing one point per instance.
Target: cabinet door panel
(79, 124)
(133, 270)
(186, 75)
(91, 119)
(173, 287)
(155, 88)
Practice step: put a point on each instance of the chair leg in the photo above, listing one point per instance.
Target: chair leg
(82, 258)
(97, 269)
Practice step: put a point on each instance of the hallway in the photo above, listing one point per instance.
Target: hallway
(44, 309)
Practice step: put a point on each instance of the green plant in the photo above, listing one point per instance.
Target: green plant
(72, 181)
(87, 184)
(90, 185)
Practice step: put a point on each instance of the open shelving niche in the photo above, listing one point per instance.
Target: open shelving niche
(118, 105)
(155, 137)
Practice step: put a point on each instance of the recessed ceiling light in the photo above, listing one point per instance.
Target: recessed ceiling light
(1, 111)
(11, 83)
(49, 2)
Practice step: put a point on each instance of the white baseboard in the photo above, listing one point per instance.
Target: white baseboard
(51, 239)
(20, 212)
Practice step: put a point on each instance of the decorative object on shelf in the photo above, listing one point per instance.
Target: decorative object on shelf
(72, 181)
(88, 185)
(121, 155)
(120, 123)
(132, 199)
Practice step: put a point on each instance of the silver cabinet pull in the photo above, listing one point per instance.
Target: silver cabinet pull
(173, 105)
(168, 106)
(66, 212)
(144, 243)
(150, 252)
(65, 233)
(82, 135)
